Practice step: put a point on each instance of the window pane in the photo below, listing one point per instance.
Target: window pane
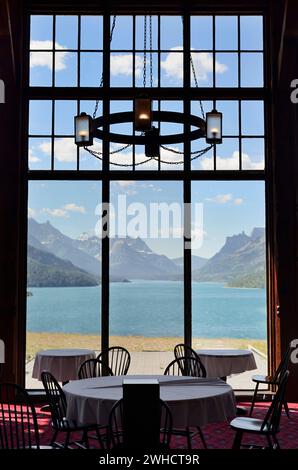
(41, 32)
(171, 32)
(140, 33)
(121, 69)
(202, 32)
(122, 35)
(252, 116)
(226, 35)
(66, 32)
(64, 253)
(230, 121)
(66, 69)
(91, 69)
(251, 32)
(41, 65)
(40, 117)
(203, 69)
(229, 270)
(171, 69)
(65, 154)
(139, 70)
(226, 69)
(252, 74)
(91, 32)
(227, 155)
(65, 111)
(253, 154)
(146, 271)
(39, 154)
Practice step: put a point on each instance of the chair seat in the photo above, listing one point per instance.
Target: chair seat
(65, 425)
(249, 425)
(264, 379)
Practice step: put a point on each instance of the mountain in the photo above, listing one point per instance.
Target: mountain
(197, 262)
(240, 257)
(47, 270)
(129, 258)
(55, 242)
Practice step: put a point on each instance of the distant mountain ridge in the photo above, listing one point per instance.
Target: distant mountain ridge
(242, 257)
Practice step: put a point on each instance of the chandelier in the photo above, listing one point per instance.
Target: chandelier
(208, 126)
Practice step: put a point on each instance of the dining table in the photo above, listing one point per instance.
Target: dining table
(193, 401)
(225, 362)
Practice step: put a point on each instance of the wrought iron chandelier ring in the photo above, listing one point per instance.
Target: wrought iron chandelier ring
(157, 116)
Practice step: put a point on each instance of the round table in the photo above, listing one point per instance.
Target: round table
(193, 401)
(225, 362)
(62, 363)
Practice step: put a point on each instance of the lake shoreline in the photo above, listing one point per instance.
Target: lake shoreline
(37, 341)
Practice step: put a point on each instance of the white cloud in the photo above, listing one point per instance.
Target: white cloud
(31, 213)
(125, 184)
(56, 212)
(65, 149)
(72, 207)
(238, 201)
(232, 162)
(203, 63)
(121, 64)
(32, 157)
(220, 198)
(44, 59)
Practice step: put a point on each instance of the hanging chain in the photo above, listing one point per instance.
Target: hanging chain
(145, 53)
(151, 55)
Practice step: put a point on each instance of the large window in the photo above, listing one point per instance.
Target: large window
(142, 291)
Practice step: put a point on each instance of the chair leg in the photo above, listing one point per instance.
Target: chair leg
(85, 439)
(188, 437)
(54, 438)
(237, 440)
(202, 437)
(286, 407)
(276, 443)
(99, 438)
(269, 441)
(254, 399)
(67, 439)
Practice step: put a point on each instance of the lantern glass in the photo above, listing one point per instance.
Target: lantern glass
(214, 127)
(143, 114)
(83, 135)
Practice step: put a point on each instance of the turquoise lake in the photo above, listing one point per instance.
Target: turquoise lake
(150, 308)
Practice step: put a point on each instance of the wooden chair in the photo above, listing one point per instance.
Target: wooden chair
(182, 350)
(115, 429)
(57, 403)
(117, 358)
(190, 367)
(272, 380)
(18, 421)
(93, 368)
(268, 427)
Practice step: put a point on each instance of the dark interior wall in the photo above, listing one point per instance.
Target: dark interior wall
(10, 185)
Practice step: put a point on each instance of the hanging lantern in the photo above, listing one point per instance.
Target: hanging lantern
(143, 114)
(83, 130)
(214, 127)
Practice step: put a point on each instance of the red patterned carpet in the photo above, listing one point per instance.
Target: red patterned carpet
(218, 436)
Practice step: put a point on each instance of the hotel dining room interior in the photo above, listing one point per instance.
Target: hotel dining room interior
(148, 214)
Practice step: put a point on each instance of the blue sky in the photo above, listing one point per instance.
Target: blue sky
(229, 207)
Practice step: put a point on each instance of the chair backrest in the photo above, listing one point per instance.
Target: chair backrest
(283, 365)
(93, 368)
(117, 358)
(115, 427)
(187, 366)
(183, 350)
(272, 418)
(18, 421)
(56, 400)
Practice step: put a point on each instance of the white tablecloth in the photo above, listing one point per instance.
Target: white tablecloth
(193, 401)
(62, 363)
(225, 362)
